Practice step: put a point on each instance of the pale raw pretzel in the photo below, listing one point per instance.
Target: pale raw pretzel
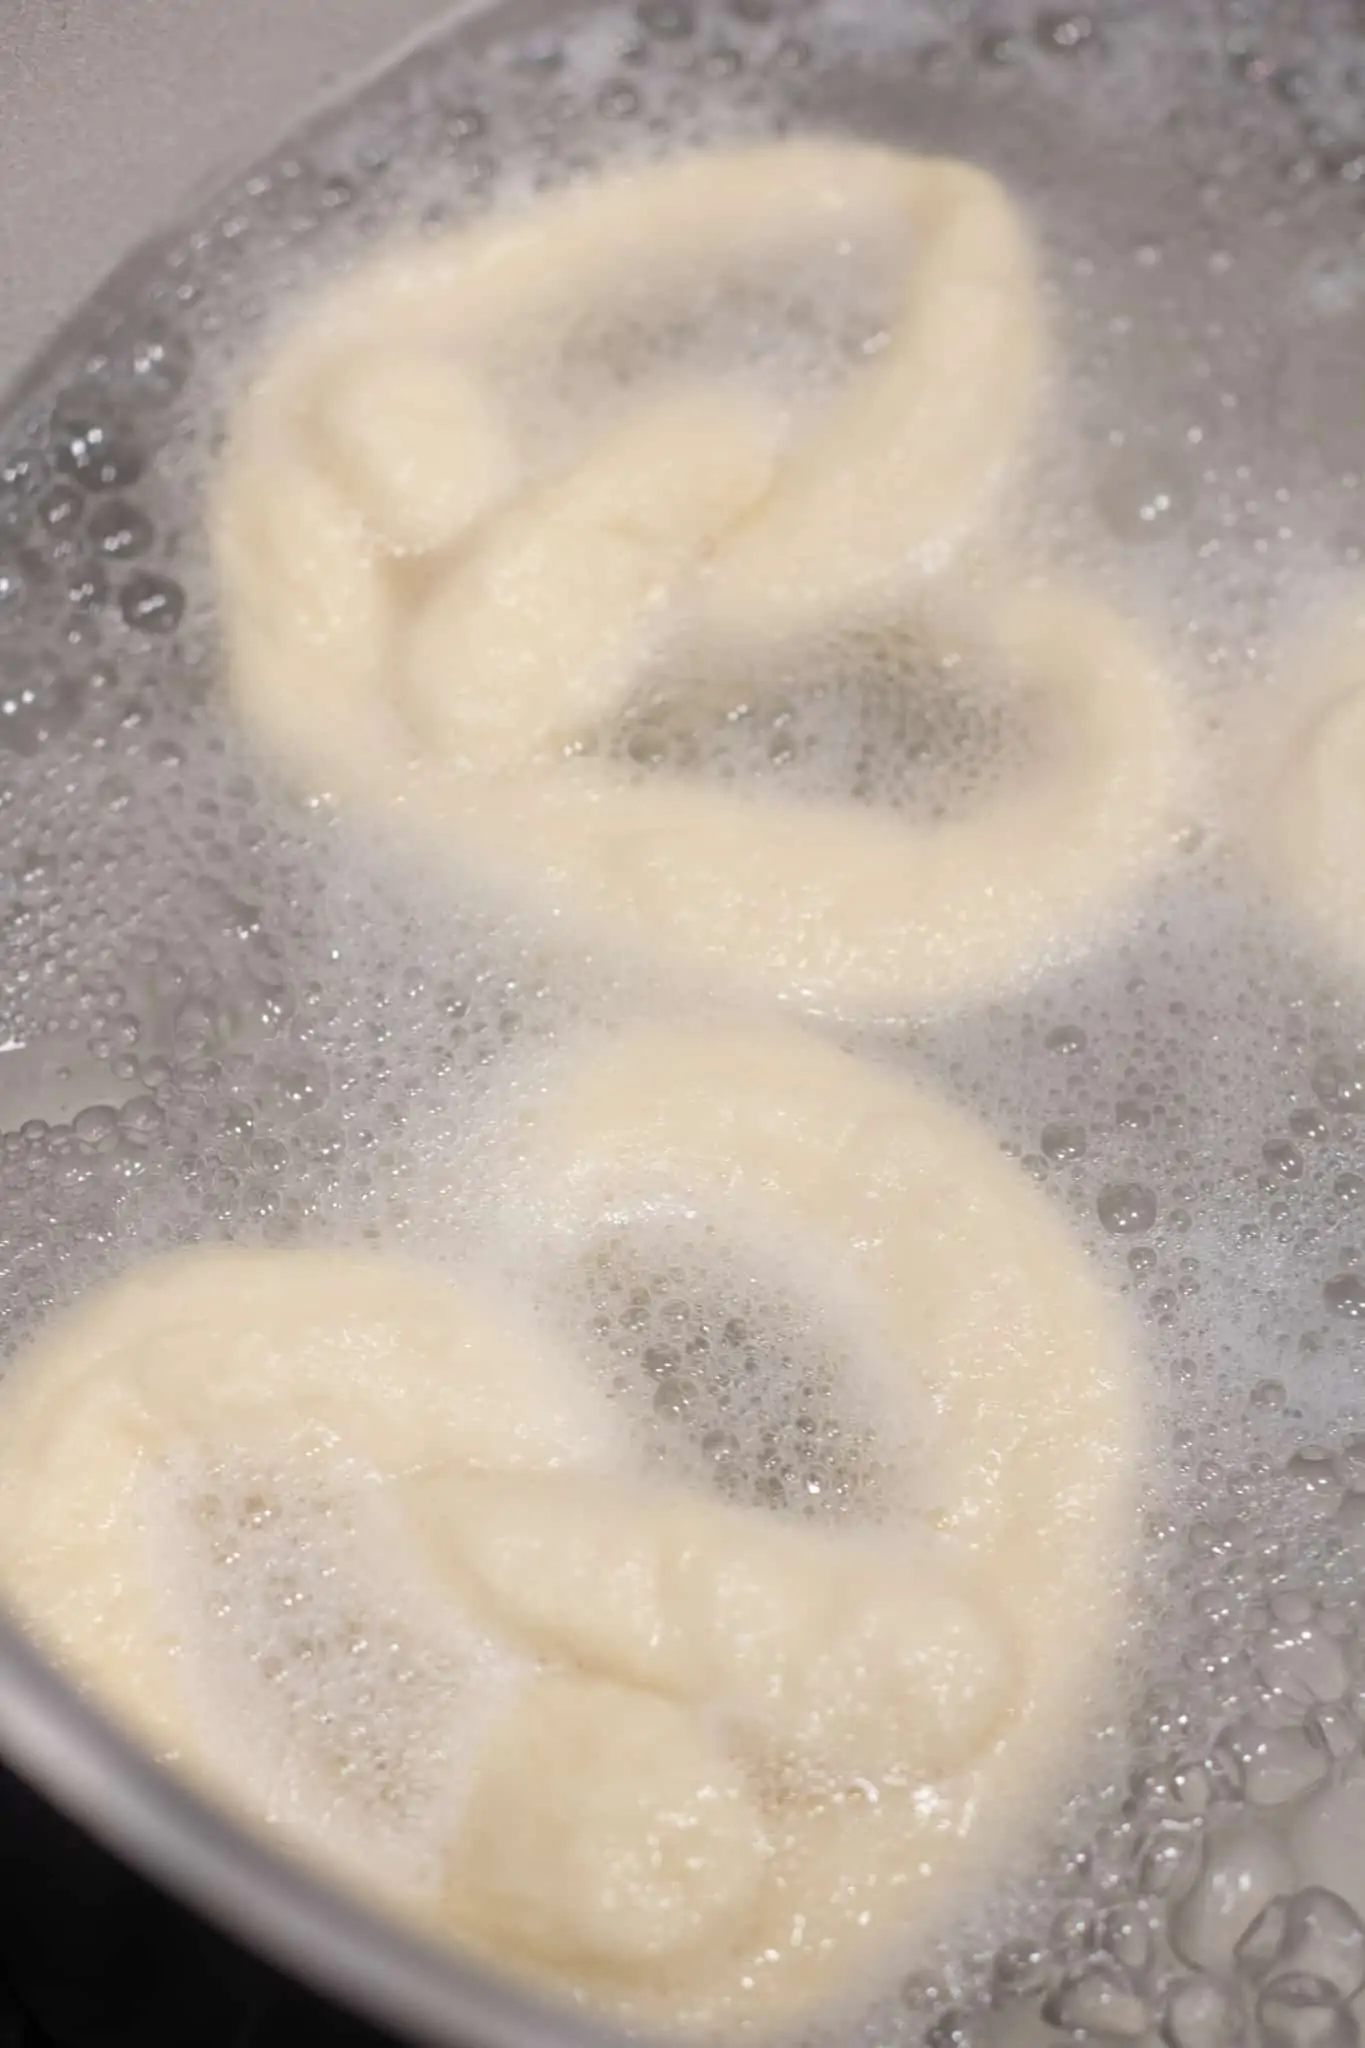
(416, 619)
(761, 1752)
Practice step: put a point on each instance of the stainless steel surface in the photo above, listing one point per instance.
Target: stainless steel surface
(114, 112)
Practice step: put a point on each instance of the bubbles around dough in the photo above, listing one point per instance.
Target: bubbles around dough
(1307, 818)
(906, 1692)
(418, 618)
(229, 1349)
(755, 1752)
(844, 910)
(607, 1834)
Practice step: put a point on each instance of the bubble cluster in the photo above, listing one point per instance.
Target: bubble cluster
(338, 1697)
(226, 1016)
(879, 716)
(727, 1382)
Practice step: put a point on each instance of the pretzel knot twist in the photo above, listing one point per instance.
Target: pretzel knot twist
(744, 1752)
(424, 612)
(1304, 751)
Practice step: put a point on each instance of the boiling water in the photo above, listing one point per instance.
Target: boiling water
(223, 1016)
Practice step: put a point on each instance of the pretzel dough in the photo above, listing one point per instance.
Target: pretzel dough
(376, 1361)
(842, 909)
(914, 1687)
(851, 1663)
(379, 1365)
(979, 1293)
(742, 1756)
(420, 618)
(1314, 849)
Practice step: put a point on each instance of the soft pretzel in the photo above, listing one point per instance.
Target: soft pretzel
(422, 616)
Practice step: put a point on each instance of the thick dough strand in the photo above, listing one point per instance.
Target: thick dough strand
(422, 618)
